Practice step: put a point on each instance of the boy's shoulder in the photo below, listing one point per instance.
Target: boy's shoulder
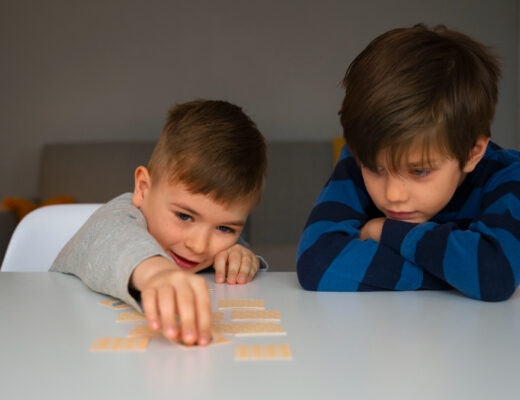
(347, 162)
(120, 207)
(121, 200)
(498, 166)
(347, 168)
(505, 157)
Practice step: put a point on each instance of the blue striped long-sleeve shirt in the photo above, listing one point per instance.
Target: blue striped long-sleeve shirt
(472, 245)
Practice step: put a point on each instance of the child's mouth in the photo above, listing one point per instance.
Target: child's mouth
(400, 215)
(182, 262)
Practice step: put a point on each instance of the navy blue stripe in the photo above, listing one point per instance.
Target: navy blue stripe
(493, 146)
(503, 221)
(363, 287)
(461, 223)
(430, 250)
(501, 190)
(314, 261)
(394, 232)
(385, 268)
(333, 211)
(484, 170)
(373, 212)
(495, 274)
(431, 282)
(460, 196)
(477, 178)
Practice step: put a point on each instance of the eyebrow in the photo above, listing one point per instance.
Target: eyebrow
(189, 210)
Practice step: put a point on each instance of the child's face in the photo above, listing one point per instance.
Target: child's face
(191, 228)
(418, 190)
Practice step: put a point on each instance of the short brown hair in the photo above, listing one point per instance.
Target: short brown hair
(436, 88)
(214, 148)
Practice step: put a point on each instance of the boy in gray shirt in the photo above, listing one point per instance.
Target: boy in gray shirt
(186, 213)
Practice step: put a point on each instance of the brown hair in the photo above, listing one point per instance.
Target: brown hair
(214, 148)
(414, 86)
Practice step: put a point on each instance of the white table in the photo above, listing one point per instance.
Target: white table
(380, 345)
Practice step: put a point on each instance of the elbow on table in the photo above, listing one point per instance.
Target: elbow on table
(500, 292)
(496, 284)
(496, 271)
(308, 275)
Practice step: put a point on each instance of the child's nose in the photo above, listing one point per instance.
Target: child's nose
(197, 241)
(396, 190)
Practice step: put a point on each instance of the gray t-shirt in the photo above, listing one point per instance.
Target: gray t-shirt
(107, 248)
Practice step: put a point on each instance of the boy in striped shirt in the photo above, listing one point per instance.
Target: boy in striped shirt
(420, 198)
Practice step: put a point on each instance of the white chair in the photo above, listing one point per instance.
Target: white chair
(41, 235)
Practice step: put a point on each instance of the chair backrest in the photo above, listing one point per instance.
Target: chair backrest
(41, 235)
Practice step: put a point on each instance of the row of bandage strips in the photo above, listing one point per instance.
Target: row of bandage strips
(253, 310)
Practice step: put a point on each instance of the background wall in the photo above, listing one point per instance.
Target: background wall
(99, 70)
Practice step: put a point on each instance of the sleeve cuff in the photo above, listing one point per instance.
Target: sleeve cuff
(264, 266)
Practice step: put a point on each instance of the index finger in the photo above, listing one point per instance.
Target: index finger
(186, 310)
(203, 311)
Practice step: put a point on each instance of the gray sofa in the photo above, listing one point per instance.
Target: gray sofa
(98, 171)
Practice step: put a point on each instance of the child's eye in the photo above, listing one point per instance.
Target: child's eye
(379, 170)
(420, 172)
(182, 216)
(225, 229)
(376, 170)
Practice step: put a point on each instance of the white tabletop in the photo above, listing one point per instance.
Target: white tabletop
(379, 345)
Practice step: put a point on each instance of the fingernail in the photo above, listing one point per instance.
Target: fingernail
(170, 332)
(189, 337)
(220, 278)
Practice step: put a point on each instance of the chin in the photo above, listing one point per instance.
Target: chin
(416, 220)
(420, 220)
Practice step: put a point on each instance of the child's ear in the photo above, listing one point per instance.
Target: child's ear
(142, 185)
(476, 154)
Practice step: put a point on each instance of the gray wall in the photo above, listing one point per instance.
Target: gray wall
(96, 70)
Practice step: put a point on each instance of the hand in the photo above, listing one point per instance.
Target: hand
(167, 291)
(372, 229)
(240, 263)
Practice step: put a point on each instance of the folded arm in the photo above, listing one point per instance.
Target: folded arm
(332, 256)
(481, 260)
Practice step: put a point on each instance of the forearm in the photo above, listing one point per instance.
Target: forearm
(478, 261)
(149, 268)
(335, 259)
